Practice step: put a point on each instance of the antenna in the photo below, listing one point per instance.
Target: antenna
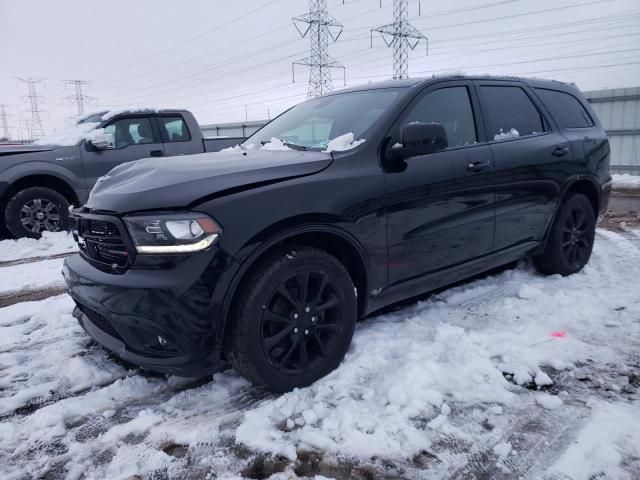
(402, 36)
(320, 27)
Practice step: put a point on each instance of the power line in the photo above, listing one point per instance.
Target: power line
(79, 98)
(321, 27)
(192, 39)
(36, 130)
(402, 36)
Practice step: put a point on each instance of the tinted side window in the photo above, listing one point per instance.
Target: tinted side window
(176, 129)
(565, 108)
(450, 107)
(131, 131)
(509, 113)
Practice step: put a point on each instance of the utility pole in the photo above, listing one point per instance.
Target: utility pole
(36, 130)
(402, 36)
(79, 98)
(3, 120)
(320, 26)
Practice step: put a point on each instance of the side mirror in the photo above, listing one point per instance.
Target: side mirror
(420, 139)
(100, 140)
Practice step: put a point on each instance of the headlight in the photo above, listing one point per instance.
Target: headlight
(172, 233)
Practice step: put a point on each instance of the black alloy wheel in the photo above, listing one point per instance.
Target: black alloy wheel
(300, 322)
(576, 243)
(294, 319)
(570, 239)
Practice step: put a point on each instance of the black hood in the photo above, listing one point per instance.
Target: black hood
(179, 182)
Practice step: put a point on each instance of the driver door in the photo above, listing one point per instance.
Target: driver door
(135, 137)
(440, 206)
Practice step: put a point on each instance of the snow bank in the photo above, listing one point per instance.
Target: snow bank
(31, 276)
(513, 133)
(343, 143)
(471, 345)
(71, 134)
(51, 243)
(612, 431)
(625, 180)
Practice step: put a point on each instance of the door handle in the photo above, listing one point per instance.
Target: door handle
(156, 153)
(560, 151)
(477, 166)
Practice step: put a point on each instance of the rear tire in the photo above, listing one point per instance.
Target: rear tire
(34, 210)
(571, 238)
(294, 319)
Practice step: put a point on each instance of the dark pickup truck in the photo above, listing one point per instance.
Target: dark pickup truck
(38, 182)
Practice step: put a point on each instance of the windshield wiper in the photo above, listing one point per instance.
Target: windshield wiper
(292, 146)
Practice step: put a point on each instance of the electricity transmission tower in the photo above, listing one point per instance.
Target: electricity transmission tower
(402, 36)
(320, 26)
(36, 130)
(79, 98)
(5, 124)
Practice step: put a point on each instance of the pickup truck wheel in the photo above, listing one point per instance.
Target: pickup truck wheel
(294, 321)
(571, 238)
(34, 210)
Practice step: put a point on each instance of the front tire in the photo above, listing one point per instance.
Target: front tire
(571, 238)
(34, 210)
(294, 319)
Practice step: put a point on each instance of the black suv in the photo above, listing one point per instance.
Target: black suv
(264, 256)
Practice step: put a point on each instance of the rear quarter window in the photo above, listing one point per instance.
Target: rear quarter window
(565, 108)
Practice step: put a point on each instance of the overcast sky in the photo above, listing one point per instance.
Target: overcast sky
(214, 56)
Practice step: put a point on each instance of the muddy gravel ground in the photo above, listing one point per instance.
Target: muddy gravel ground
(70, 409)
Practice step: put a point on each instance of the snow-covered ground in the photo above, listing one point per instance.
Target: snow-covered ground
(514, 375)
(624, 180)
(51, 243)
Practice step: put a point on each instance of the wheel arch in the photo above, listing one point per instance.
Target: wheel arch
(577, 184)
(333, 240)
(40, 180)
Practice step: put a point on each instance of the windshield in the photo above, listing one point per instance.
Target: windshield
(313, 124)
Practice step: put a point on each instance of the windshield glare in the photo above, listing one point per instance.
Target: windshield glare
(314, 123)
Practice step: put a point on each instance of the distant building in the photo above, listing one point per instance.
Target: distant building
(237, 129)
(619, 112)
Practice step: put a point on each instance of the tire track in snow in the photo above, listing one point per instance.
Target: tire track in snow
(21, 261)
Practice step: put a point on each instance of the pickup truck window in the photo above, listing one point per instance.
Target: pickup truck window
(451, 107)
(131, 131)
(175, 129)
(509, 113)
(313, 123)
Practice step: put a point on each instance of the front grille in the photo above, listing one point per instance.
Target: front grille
(99, 320)
(101, 241)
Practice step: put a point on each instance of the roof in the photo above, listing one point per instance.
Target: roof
(411, 82)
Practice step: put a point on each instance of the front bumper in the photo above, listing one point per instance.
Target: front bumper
(174, 298)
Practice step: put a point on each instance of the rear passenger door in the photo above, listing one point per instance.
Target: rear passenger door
(176, 136)
(529, 156)
(440, 206)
